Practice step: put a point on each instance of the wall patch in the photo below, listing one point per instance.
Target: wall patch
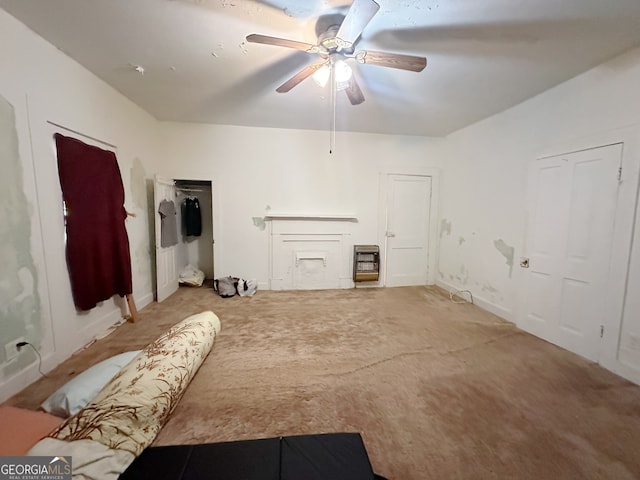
(507, 252)
(259, 222)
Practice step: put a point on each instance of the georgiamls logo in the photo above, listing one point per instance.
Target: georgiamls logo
(35, 467)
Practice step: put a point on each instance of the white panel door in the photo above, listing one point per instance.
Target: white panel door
(572, 204)
(166, 271)
(408, 214)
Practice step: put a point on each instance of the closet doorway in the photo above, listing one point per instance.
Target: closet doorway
(183, 207)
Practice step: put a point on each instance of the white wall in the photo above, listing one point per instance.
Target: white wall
(287, 171)
(484, 186)
(41, 84)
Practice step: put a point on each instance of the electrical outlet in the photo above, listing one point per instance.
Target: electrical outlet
(10, 349)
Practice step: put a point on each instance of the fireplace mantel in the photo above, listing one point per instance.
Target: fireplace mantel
(310, 250)
(312, 217)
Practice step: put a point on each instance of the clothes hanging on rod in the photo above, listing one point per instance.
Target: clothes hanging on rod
(192, 217)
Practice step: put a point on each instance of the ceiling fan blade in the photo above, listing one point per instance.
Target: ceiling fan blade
(281, 42)
(300, 76)
(392, 60)
(358, 16)
(353, 91)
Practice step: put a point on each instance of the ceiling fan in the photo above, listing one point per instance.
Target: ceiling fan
(337, 43)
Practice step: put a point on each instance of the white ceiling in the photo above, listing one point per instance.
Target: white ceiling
(483, 56)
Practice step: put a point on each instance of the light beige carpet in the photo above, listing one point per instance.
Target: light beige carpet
(437, 390)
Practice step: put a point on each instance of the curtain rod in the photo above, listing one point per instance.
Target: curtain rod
(82, 134)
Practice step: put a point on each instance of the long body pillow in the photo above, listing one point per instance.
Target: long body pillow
(131, 409)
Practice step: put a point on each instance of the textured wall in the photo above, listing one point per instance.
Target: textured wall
(19, 298)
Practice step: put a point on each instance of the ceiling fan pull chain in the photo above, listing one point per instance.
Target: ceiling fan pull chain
(332, 133)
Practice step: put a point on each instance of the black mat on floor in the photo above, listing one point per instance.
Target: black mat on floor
(331, 456)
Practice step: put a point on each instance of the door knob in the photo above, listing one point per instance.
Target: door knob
(524, 262)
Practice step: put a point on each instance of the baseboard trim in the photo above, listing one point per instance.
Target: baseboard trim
(97, 328)
(619, 368)
(481, 302)
(144, 300)
(346, 282)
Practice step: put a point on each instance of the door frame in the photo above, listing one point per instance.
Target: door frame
(626, 213)
(433, 246)
(215, 216)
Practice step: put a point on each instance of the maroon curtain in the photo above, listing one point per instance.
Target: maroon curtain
(98, 255)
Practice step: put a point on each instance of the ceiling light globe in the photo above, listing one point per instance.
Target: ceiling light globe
(321, 76)
(342, 71)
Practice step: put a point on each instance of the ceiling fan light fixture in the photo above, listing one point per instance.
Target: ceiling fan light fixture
(342, 74)
(321, 75)
(343, 71)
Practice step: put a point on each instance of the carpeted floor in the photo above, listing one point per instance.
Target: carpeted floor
(438, 390)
